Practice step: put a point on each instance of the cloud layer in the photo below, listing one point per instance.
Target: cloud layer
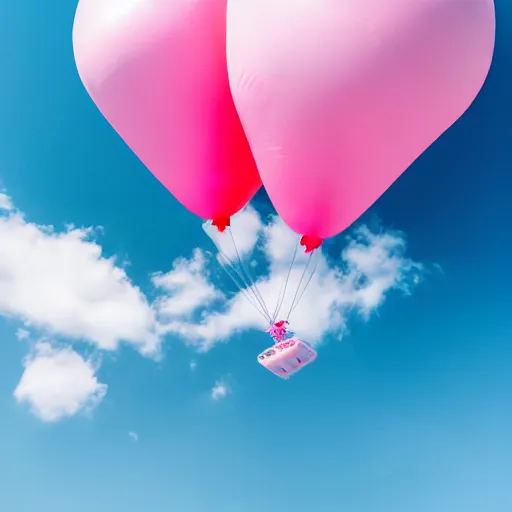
(60, 285)
(367, 270)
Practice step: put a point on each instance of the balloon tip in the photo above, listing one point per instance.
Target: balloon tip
(221, 223)
(310, 243)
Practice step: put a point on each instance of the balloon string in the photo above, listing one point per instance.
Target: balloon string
(282, 292)
(231, 265)
(243, 268)
(227, 265)
(246, 289)
(233, 272)
(292, 307)
(305, 287)
(252, 284)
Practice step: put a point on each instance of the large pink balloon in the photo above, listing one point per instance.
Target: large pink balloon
(339, 97)
(157, 71)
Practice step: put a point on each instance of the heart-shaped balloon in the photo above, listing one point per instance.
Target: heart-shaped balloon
(157, 71)
(339, 97)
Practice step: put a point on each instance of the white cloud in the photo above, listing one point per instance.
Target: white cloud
(22, 334)
(185, 287)
(371, 265)
(5, 202)
(193, 365)
(133, 436)
(61, 283)
(58, 383)
(220, 390)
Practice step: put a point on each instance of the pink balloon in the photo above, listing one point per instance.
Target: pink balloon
(339, 97)
(157, 71)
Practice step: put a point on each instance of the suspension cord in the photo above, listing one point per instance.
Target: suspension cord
(282, 292)
(305, 287)
(252, 285)
(229, 269)
(298, 287)
(247, 290)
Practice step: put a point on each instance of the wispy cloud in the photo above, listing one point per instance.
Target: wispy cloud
(58, 383)
(22, 334)
(219, 390)
(185, 287)
(5, 202)
(133, 436)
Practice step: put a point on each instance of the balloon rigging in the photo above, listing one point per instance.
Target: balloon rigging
(239, 273)
(323, 102)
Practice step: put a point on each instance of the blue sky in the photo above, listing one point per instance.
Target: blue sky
(100, 408)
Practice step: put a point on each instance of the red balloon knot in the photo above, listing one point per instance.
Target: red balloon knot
(310, 243)
(221, 223)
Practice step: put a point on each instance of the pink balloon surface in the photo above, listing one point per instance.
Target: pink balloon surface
(339, 97)
(157, 71)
